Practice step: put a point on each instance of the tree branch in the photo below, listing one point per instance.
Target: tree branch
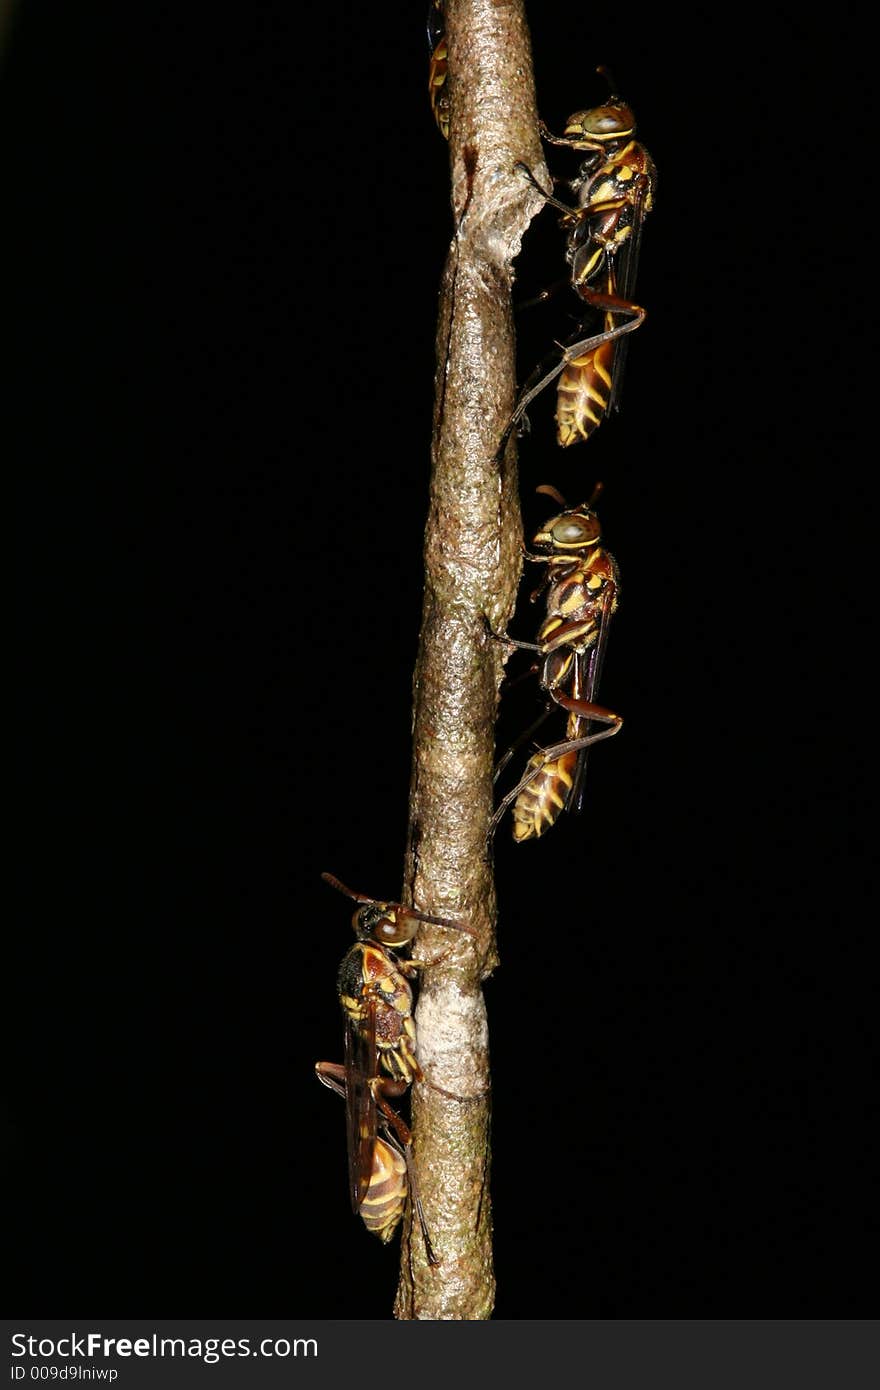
(472, 570)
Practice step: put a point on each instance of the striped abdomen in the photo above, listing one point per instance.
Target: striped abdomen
(584, 392)
(382, 1207)
(540, 802)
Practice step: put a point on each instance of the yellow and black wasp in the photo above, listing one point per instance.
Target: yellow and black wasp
(380, 1059)
(582, 585)
(615, 192)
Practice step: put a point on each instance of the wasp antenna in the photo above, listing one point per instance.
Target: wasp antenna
(341, 887)
(553, 492)
(606, 73)
(597, 492)
(439, 921)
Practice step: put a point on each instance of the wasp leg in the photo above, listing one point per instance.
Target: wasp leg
(539, 188)
(570, 144)
(523, 738)
(332, 1075)
(612, 304)
(517, 642)
(384, 1086)
(430, 1254)
(380, 1088)
(543, 296)
(510, 682)
(453, 1095)
(584, 710)
(536, 383)
(429, 964)
(567, 634)
(505, 636)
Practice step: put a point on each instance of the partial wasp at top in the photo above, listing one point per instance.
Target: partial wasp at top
(582, 584)
(615, 192)
(380, 1036)
(438, 89)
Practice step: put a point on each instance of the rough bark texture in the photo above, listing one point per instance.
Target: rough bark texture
(472, 569)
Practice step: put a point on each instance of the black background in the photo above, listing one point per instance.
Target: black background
(232, 232)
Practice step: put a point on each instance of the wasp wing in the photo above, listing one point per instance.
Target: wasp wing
(622, 274)
(588, 672)
(360, 1069)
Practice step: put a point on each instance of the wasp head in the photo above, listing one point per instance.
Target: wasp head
(574, 530)
(388, 923)
(600, 125)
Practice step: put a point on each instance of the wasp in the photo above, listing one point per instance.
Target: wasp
(438, 92)
(582, 584)
(614, 187)
(380, 1037)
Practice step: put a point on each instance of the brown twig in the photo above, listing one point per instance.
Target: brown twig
(472, 569)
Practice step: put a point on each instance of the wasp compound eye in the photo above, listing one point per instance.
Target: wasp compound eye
(372, 922)
(575, 531)
(605, 120)
(393, 932)
(383, 922)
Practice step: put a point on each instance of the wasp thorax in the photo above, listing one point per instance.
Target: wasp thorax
(609, 122)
